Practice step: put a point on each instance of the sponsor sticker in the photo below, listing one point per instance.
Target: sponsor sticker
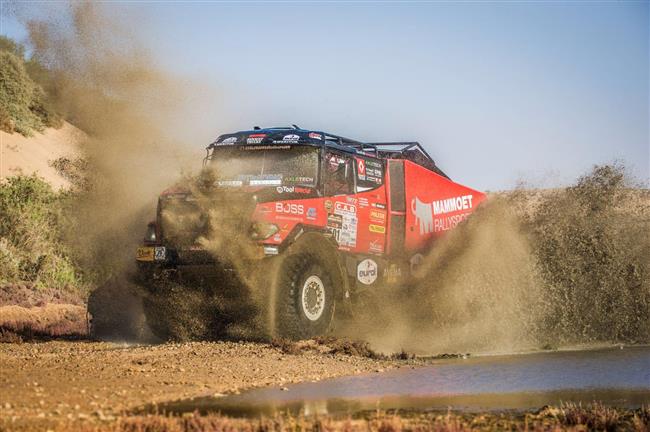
(379, 205)
(377, 229)
(291, 138)
(284, 189)
(344, 208)
(367, 271)
(228, 183)
(363, 202)
(265, 182)
(227, 141)
(311, 213)
(424, 213)
(378, 216)
(302, 190)
(416, 263)
(334, 221)
(328, 206)
(392, 273)
(376, 246)
(266, 147)
(292, 189)
(255, 138)
(270, 250)
(298, 179)
(361, 165)
(315, 135)
(289, 208)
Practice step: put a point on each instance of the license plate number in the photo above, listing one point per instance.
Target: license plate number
(150, 253)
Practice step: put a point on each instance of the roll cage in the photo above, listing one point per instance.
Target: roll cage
(408, 150)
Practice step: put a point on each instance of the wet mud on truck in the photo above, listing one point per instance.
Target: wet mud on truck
(312, 219)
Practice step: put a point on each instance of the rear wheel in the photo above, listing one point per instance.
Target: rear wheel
(305, 296)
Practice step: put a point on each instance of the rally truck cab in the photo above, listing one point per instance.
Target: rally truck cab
(331, 216)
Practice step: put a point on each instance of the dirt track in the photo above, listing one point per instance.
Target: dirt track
(56, 381)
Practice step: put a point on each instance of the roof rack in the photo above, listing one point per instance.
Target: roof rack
(410, 150)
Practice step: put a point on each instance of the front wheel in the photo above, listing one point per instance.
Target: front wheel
(305, 296)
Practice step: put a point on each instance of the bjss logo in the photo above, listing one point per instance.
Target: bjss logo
(289, 208)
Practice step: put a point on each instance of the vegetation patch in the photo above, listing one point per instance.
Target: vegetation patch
(32, 250)
(595, 417)
(52, 321)
(24, 105)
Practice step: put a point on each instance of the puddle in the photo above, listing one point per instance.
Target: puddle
(619, 377)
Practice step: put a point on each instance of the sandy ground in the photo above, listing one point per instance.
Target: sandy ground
(54, 381)
(19, 154)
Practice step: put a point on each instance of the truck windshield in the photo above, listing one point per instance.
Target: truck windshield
(265, 165)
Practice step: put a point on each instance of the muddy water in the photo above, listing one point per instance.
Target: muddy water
(615, 376)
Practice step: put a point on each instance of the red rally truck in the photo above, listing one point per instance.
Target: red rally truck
(334, 217)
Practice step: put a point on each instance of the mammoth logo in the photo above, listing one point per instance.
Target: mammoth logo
(423, 215)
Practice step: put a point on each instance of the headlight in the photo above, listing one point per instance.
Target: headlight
(262, 230)
(150, 235)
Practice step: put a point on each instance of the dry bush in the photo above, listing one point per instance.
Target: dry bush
(591, 417)
(74, 170)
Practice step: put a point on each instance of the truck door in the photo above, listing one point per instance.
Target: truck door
(338, 189)
(370, 196)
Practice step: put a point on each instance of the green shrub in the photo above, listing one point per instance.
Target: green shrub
(24, 105)
(12, 46)
(31, 248)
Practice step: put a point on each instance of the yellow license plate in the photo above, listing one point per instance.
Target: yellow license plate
(145, 254)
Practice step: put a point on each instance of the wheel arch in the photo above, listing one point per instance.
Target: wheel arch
(326, 247)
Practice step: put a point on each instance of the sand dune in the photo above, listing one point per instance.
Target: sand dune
(21, 155)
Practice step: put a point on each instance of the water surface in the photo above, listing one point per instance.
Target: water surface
(619, 377)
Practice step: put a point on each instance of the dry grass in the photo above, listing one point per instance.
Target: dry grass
(568, 417)
(52, 321)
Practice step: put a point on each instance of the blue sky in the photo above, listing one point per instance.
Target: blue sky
(495, 91)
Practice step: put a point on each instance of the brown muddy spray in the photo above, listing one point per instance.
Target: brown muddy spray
(530, 269)
(527, 270)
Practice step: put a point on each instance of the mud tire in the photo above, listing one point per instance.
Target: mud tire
(292, 319)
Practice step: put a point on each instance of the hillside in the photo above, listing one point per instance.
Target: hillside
(34, 155)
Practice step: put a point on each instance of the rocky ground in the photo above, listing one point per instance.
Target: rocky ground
(48, 383)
